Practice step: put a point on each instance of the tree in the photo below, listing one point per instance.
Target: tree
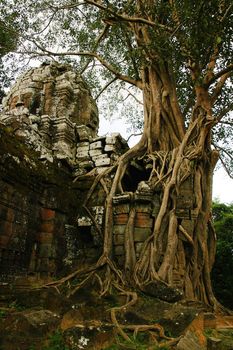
(222, 270)
(8, 41)
(179, 55)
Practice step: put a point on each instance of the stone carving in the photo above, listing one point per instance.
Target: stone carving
(44, 107)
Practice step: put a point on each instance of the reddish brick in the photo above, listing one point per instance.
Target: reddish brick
(47, 226)
(47, 214)
(8, 226)
(121, 219)
(143, 220)
(4, 241)
(10, 215)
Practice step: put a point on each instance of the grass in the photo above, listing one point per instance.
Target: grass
(56, 342)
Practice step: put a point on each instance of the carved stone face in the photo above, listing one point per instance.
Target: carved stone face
(57, 91)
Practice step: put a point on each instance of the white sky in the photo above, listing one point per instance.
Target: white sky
(222, 183)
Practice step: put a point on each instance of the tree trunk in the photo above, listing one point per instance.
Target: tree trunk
(180, 250)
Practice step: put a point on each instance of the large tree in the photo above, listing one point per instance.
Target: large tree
(179, 55)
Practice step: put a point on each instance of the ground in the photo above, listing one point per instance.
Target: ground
(33, 317)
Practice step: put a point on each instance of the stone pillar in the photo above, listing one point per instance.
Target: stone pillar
(64, 138)
(46, 263)
(45, 129)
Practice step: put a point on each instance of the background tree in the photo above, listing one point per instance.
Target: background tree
(179, 55)
(8, 41)
(223, 266)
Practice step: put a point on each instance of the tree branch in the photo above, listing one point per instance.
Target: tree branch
(98, 40)
(105, 87)
(226, 123)
(125, 17)
(218, 75)
(138, 134)
(221, 159)
(116, 16)
(224, 112)
(219, 86)
(118, 75)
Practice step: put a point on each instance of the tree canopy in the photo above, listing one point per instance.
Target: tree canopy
(8, 41)
(192, 39)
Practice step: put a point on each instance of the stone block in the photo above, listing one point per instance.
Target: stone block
(118, 239)
(185, 200)
(144, 197)
(46, 251)
(83, 144)
(95, 152)
(82, 149)
(84, 221)
(123, 198)
(144, 208)
(141, 234)
(121, 208)
(82, 155)
(102, 162)
(47, 226)
(112, 139)
(119, 250)
(119, 229)
(96, 145)
(83, 133)
(101, 170)
(183, 213)
(121, 219)
(99, 157)
(109, 148)
(194, 213)
(45, 237)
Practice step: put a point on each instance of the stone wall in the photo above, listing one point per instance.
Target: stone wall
(48, 140)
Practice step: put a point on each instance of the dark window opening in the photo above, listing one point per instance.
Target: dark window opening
(85, 235)
(134, 174)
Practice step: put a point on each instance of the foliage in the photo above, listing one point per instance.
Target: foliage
(56, 342)
(2, 314)
(222, 271)
(8, 41)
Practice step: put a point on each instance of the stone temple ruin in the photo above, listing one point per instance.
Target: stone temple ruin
(48, 136)
(51, 112)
